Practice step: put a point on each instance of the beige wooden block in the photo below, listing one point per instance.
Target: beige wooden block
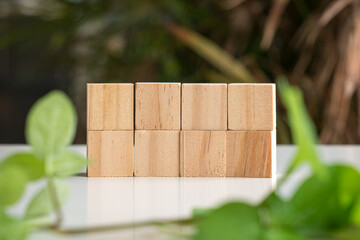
(250, 153)
(251, 107)
(203, 154)
(157, 106)
(156, 153)
(110, 106)
(111, 153)
(204, 107)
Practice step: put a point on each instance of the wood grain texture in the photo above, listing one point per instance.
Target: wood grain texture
(250, 153)
(157, 153)
(110, 106)
(111, 153)
(251, 107)
(157, 106)
(203, 154)
(204, 107)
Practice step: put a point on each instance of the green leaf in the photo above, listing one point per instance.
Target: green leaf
(67, 164)
(281, 234)
(51, 124)
(201, 212)
(41, 204)
(320, 206)
(12, 185)
(349, 233)
(231, 221)
(212, 53)
(12, 228)
(28, 162)
(302, 129)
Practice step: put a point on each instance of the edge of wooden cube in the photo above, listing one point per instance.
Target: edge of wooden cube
(129, 124)
(157, 153)
(191, 124)
(176, 125)
(106, 159)
(207, 152)
(235, 126)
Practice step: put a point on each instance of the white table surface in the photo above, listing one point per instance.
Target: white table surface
(101, 201)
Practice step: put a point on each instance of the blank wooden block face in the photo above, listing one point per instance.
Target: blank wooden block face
(203, 154)
(110, 106)
(111, 153)
(204, 107)
(157, 153)
(157, 106)
(251, 107)
(249, 153)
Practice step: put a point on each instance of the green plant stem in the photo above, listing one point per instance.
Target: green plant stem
(55, 202)
(125, 226)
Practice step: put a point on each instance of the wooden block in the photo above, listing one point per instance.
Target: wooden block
(156, 153)
(111, 153)
(250, 153)
(157, 106)
(203, 154)
(204, 107)
(251, 107)
(110, 106)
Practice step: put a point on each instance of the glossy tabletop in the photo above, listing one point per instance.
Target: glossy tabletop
(102, 201)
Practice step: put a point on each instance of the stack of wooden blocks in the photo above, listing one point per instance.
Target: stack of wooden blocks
(188, 130)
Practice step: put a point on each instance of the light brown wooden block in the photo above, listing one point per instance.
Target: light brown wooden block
(250, 153)
(204, 107)
(203, 154)
(111, 153)
(156, 153)
(110, 106)
(157, 106)
(251, 107)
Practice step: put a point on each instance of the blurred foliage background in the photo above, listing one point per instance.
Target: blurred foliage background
(64, 44)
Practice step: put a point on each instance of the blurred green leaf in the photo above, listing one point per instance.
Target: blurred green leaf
(12, 185)
(281, 234)
(51, 125)
(12, 228)
(67, 164)
(28, 162)
(302, 129)
(349, 233)
(201, 212)
(317, 206)
(231, 221)
(212, 53)
(41, 204)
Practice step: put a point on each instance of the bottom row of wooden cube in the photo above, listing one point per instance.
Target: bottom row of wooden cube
(181, 153)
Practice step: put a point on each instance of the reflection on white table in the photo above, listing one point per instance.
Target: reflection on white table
(101, 201)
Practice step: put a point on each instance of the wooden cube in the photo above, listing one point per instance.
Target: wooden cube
(204, 107)
(203, 154)
(110, 106)
(250, 153)
(251, 107)
(156, 153)
(157, 106)
(111, 153)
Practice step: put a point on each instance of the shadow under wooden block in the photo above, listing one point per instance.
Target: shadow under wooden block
(156, 153)
(251, 107)
(203, 154)
(204, 107)
(111, 153)
(157, 106)
(110, 106)
(250, 154)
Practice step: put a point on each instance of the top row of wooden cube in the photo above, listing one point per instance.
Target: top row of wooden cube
(175, 106)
